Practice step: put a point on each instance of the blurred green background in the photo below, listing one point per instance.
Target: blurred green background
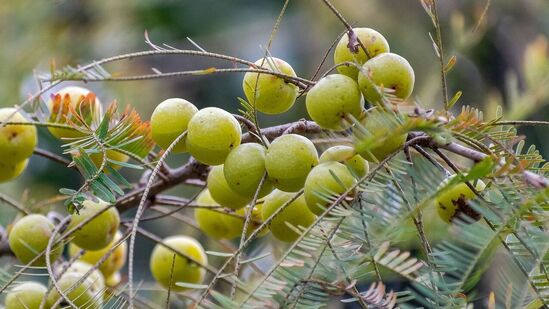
(501, 58)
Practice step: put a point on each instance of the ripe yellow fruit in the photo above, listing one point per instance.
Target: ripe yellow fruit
(212, 223)
(454, 201)
(296, 214)
(288, 161)
(84, 295)
(333, 100)
(17, 142)
(100, 231)
(389, 71)
(29, 237)
(10, 171)
(27, 295)
(244, 168)
(184, 270)
(322, 181)
(169, 120)
(211, 134)
(112, 264)
(222, 193)
(373, 41)
(346, 155)
(268, 93)
(82, 100)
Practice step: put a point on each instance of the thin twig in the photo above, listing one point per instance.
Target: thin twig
(247, 221)
(440, 54)
(141, 209)
(9, 201)
(52, 156)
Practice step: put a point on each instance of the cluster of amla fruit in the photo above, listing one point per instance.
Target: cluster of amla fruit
(291, 162)
(94, 235)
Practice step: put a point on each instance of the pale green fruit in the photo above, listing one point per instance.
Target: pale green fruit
(244, 168)
(454, 201)
(169, 120)
(211, 134)
(388, 71)
(184, 270)
(222, 193)
(95, 275)
(236, 225)
(100, 231)
(112, 264)
(296, 214)
(333, 101)
(321, 182)
(17, 142)
(274, 95)
(112, 154)
(10, 171)
(288, 161)
(212, 223)
(375, 137)
(81, 100)
(84, 295)
(27, 295)
(348, 156)
(373, 41)
(29, 237)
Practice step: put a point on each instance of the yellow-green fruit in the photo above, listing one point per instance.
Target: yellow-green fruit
(10, 171)
(333, 101)
(112, 264)
(17, 142)
(296, 214)
(346, 155)
(236, 225)
(288, 161)
(81, 100)
(83, 268)
(268, 93)
(211, 134)
(373, 41)
(113, 280)
(29, 237)
(453, 202)
(211, 222)
(322, 181)
(83, 295)
(112, 154)
(376, 137)
(184, 270)
(222, 193)
(100, 231)
(169, 120)
(244, 168)
(388, 71)
(27, 295)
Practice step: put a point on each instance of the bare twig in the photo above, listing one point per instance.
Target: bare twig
(247, 221)
(9, 201)
(52, 156)
(440, 53)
